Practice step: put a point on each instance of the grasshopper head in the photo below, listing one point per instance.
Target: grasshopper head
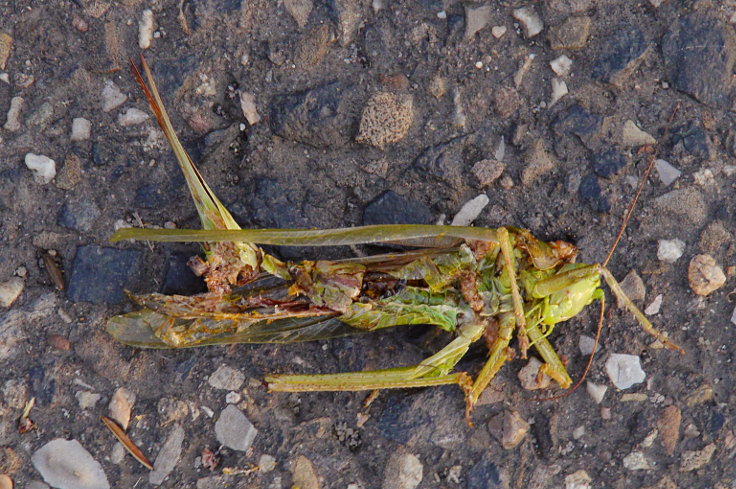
(568, 291)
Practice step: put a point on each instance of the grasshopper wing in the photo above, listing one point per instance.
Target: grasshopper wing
(137, 329)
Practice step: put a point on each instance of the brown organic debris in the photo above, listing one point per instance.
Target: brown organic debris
(210, 459)
(25, 423)
(127, 442)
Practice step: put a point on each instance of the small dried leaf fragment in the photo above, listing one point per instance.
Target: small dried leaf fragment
(127, 442)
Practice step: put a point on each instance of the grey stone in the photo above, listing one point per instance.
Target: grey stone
(484, 474)
(693, 139)
(14, 321)
(620, 54)
(687, 203)
(391, 208)
(470, 211)
(79, 215)
(349, 14)
(167, 457)
(590, 193)
(578, 121)
(573, 33)
(632, 135)
(403, 471)
(299, 10)
(100, 275)
(65, 464)
(693, 39)
(446, 161)
(476, 18)
(234, 430)
(226, 378)
(538, 164)
(321, 117)
(608, 163)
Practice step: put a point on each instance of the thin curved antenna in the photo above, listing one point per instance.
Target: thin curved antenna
(642, 181)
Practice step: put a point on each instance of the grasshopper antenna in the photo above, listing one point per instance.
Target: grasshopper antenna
(624, 224)
(627, 217)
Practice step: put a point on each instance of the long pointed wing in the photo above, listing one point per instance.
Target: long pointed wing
(136, 329)
(212, 213)
(426, 235)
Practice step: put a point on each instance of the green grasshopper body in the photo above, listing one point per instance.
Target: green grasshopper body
(473, 282)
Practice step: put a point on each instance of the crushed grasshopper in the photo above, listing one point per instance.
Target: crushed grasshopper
(472, 282)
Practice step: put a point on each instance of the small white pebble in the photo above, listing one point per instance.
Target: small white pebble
(498, 31)
(585, 343)
(10, 291)
(81, 129)
(624, 370)
(132, 117)
(232, 397)
(654, 307)
(479, 64)
(4, 77)
(632, 135)
(441, 14)
(530, 20)
(667, 173)
(112, 97)
(12, 121)
(559, 90)
(578, 432)
(43, 167)
(596, 391)
(248, 106)
(470, 211)
(145, 29)
(500, 150)
(207, 411)
(637, 461)
(670, 250)
(266, 463)
(561, 66)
